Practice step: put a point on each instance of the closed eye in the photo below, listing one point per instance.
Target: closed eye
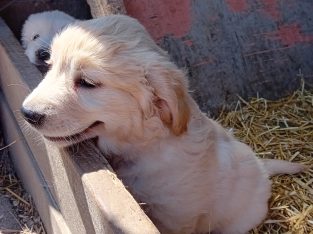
(35, 37)
(85, 83)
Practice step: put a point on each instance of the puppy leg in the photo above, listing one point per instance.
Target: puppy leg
(274, 167)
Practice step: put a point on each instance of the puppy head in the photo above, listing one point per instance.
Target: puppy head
(107, 77)
(38, 31)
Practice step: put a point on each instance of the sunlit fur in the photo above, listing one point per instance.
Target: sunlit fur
(193, 175)
(46, 25)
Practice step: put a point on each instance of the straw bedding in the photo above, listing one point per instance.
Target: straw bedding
(284, 130)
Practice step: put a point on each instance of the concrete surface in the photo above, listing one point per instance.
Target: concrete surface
(7, 220)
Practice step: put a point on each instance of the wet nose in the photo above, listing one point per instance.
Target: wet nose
(34, 118)
(43, 54)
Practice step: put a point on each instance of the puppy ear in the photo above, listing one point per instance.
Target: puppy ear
(171, 97)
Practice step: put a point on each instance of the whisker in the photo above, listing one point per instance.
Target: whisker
(7, 146)
(44, 42)
(24, 86)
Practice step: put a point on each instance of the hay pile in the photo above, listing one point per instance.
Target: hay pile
(284, 130)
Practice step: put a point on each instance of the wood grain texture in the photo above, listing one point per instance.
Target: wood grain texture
(30, 174)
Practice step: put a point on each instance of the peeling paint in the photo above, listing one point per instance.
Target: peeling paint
(289, 35)
(237, 6)
(271, 8)
(162, 17)
(188, 42)
(203, 62)
(233, 47)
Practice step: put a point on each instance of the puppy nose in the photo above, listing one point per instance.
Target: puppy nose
(43, 54)
(33, 117)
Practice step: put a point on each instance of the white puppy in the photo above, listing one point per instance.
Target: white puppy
(38, 31)
(109, 79)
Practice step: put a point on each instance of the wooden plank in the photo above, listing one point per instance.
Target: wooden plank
(18, 77)
(90, 197)
(29, 172)
(100, 8)
(111, 208)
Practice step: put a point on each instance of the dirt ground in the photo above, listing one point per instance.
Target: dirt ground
(18, 213)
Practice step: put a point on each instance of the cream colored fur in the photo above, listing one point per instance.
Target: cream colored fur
(46, 25)
(193, 175)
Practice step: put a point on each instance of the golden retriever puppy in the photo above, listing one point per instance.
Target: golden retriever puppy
(109, 79)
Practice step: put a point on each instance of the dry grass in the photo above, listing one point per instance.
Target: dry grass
(23, 207)
(284, 130)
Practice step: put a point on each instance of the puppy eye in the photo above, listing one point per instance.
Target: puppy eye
(83, 83)
(35, 37)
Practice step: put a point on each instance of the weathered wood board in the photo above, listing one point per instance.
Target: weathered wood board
(233, 47)
(99, 8)
(29, 172)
